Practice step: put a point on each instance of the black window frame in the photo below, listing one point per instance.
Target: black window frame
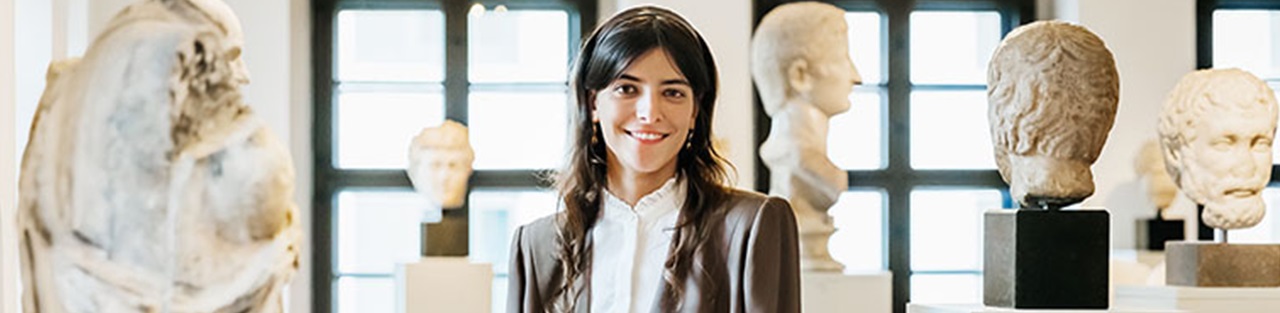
(450, 236)
(897, 179)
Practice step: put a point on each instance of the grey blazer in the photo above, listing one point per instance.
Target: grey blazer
(752, 267)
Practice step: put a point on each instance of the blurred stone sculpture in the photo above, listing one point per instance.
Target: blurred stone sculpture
(440, 161)
(1155, 178)
(1053, 91)
(800, 62)
(1217, 128)
(147, 184)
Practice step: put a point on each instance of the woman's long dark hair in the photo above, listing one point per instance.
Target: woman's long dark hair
(603, 58)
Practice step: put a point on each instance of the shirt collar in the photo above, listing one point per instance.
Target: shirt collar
(667, 198)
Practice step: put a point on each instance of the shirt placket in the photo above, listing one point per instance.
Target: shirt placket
(631, 220)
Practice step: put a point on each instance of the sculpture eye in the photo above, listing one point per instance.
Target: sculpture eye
(1262, 143)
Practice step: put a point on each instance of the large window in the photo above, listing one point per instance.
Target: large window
(1246, 35)
(915, 143)
(385, 69)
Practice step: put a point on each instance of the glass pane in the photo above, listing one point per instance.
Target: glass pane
(374, 129)
(865, 36)
(952, 47)
(946, 228)
(1247, 39)
(518, 130)
(948, 288)
(855, 140)
(949, 130)
(384, 45)
(859, 239)
(494, 216)
(366, 295)
(518, 46)
(379, 229)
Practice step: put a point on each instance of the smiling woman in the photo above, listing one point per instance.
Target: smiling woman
(649, 222)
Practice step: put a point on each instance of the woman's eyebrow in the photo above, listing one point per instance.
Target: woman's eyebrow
(676, 82)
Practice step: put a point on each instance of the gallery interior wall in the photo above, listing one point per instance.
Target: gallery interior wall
(8, 168)
(1153, 42)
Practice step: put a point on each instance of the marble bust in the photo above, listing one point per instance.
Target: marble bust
(440, 163)
(1149, 165)
(148, 184)
(801, 66)
(1053, 90)
(1216, 130)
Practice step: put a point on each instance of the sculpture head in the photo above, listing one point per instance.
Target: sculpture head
(225, 20)
(1216, 128)
(1053, 89)
(440, 163)
(1149, 165)
(800, 52)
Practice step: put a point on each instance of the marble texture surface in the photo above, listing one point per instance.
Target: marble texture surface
(1053, 91)
(147, 184)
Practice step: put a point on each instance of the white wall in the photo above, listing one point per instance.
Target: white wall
(726, 25)
(1154, 45)
(8, 248)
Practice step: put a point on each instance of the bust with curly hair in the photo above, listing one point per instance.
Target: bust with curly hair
(1216, 131)
(1053, 89)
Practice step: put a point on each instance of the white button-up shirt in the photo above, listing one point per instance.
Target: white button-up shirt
(630, 246)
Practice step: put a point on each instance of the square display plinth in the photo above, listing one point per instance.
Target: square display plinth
(1211, 264)
(1046, 259)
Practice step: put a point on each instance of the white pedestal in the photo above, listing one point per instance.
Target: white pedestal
(1200, 299)
(856, 293)
(444, 284)
(978, 308)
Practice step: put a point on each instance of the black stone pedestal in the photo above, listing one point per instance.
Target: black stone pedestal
(1154, 232)
(1046, 259)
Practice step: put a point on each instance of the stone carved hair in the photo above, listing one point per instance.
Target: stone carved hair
(1053, 89)
(789, 34)
(1198, 93)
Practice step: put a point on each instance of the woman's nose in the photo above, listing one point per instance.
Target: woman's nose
(644, 108)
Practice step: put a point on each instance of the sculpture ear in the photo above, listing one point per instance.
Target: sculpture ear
(799, 76)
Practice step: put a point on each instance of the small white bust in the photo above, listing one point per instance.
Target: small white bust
(800, 62)
(1216, 129)
(1053, 89)
(440, 163)
(1149, 165)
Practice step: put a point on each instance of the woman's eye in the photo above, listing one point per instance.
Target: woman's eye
(625, 90)
(674, 94)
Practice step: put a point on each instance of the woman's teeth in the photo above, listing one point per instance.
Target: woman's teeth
(646, 136)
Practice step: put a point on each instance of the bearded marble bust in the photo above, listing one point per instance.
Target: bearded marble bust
(1053, 89)
(148, 184)
(1217, 128)
(440, 161)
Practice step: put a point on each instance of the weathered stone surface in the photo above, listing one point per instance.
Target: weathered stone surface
(1053, 91)
(1210, 264)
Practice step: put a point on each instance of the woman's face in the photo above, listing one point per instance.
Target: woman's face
(646, 115)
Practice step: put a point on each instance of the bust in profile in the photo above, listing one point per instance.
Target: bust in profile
(1216, 129)
(800, 62)
(440, 163)
(1053, 89)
